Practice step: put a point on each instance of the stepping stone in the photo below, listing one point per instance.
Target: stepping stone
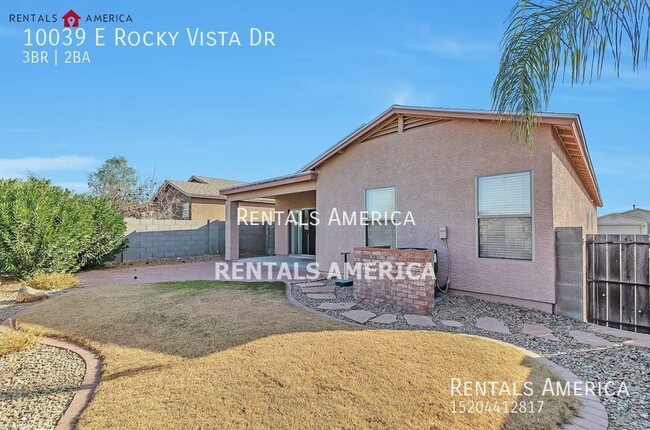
(325, 289)
(385, 319)
(492, 324)
(589, 338)
(419, 320)
(641, 343)
(452, 323)
(538, 330)
(312, 284)
(322, 296)
(359, 316)
(619, 333)
(336, 306)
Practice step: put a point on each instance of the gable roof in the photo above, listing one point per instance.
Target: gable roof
(204, 187)
(400, 118)
(621, 216)
(640, 213)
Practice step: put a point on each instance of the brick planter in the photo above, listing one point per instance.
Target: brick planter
(408, 295)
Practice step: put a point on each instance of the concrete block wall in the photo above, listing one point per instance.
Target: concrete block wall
(569, 272)
(153, 239)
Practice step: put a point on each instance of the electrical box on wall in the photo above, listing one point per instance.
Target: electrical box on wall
(442, 233)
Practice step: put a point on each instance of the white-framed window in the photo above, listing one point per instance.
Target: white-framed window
(186, 210)
(380, 231)
(505, 216)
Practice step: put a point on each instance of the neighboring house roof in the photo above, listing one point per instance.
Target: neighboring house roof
(620, 218)
(638, 213)
(204, 187)
(567, 126)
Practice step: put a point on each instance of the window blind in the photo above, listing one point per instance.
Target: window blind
(505, 216)
(382, 232)
(380, 200)
(504, 195)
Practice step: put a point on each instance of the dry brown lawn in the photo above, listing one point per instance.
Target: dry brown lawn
(206, 355)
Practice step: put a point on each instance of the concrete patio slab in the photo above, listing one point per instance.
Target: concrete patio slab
(322, 296)
(336, 306)
(385, 319)
(492, 324)
(539, 330)
(589, 338)
(419, 320)
(359, 316)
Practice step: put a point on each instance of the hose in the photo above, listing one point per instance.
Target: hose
(448, 283)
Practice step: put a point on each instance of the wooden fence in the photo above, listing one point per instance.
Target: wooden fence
(618, 281)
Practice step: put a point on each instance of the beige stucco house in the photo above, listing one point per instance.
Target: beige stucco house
(198, 198)
(460, 175)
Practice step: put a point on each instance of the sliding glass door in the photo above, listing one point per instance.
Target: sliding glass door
(302, 232)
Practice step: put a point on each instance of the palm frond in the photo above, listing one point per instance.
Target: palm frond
(576, 36)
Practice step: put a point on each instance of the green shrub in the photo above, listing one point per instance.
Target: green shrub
(46, 229)
(53, 281)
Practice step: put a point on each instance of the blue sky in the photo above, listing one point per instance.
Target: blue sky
(250, 113)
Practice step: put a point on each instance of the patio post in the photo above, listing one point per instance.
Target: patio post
(232, 231)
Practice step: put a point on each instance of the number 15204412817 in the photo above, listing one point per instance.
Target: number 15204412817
(55, 57)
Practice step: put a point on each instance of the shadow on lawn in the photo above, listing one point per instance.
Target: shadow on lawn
(186, 318)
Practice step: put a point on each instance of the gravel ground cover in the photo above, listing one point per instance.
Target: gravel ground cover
(8, 304)
(36, 386)
(621, 363)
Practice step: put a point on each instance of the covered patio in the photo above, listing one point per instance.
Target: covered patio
(293, 194)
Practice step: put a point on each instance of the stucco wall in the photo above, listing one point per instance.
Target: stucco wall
(205, 209)
(283, 203)
(434, 170)
(571, 206)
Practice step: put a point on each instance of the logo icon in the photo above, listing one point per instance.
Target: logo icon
(71, 19)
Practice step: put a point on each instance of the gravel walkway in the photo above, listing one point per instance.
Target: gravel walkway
(36, 386)
(619, 363)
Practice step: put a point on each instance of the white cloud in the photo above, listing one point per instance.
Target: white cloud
(402, 95)
(19, 130)
(621, 165)
(458, 48)
(405, 94)
(21, 167)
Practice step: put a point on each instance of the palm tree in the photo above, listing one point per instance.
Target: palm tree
(546, 37)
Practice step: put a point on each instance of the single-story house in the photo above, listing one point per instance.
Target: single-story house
(634, 221)
(198, 198)
(494, 204)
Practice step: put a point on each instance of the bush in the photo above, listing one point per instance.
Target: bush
(46, 229)
(54, 281)
(14, 341)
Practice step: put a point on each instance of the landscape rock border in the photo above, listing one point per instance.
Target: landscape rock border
(84, 393)
(592, 414)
